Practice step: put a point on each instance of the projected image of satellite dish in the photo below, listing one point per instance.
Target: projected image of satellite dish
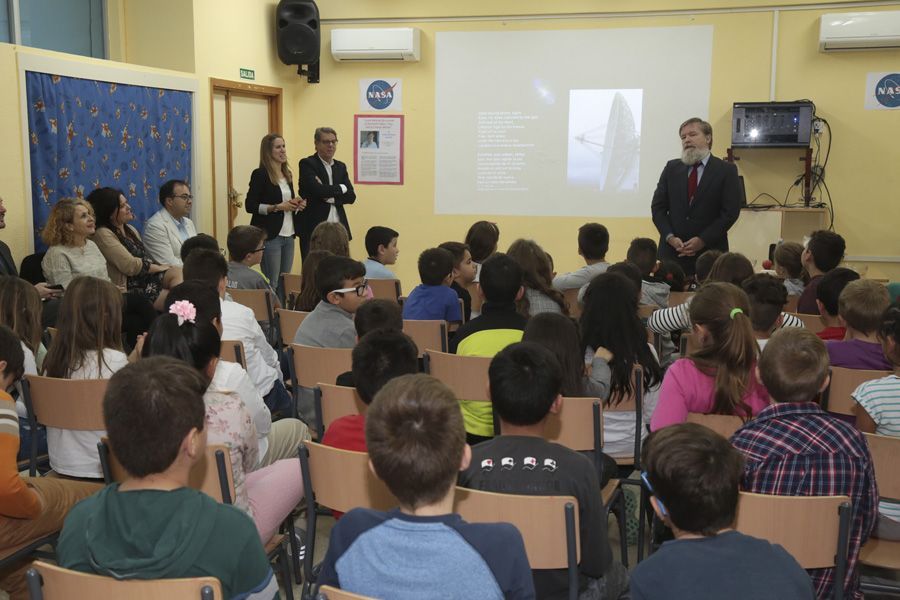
(617, 146)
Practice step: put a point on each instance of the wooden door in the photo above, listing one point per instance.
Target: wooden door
(241, 115)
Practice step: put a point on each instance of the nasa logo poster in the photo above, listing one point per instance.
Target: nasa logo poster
(883, 91)
(381, 95)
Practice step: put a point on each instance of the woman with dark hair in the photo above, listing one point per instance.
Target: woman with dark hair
(127, 261)
(267, 494)
(615, 340)
(539, 296)
(275, 208)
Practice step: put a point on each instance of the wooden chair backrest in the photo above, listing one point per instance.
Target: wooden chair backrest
(885, 452)
(75, 404)
(791, 304)
(474, 292)
(356, 487)
(260, 302)
(806, 526)
(291, 282)
(387, 289)
(462, 311)
(428, 335)
(677, 298)
(844, 382)
(724, 425)
(319, 365)
(540, 520)
(326, 592)
(289, 321)
(571, 297)
(339, 401)
(204, 475)
(573, 425)
(812, 322)
(645, 310)
(60, 583)
(233, 351)
(467, 376)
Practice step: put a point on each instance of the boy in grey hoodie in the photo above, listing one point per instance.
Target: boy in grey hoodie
(153, 526)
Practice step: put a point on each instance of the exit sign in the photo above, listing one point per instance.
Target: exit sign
(248, 74)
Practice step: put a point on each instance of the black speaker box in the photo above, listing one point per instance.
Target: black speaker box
(297, 32)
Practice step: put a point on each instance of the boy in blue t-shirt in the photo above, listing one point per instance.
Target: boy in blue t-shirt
(434, 299)
(693, 474)
(417, 446)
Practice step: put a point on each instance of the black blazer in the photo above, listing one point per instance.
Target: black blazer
(263, 191)
(315, 193)
(716, 206)
(7, 264)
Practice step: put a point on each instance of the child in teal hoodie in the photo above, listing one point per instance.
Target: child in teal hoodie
(152, 526)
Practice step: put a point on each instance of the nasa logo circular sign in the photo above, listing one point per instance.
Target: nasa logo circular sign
(887, 90)
(380, 94)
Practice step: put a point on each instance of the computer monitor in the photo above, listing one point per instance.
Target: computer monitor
(771, 124)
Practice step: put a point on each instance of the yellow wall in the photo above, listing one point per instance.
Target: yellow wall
(231, 34)
(12, 186)
(157, 33)
(860, 171)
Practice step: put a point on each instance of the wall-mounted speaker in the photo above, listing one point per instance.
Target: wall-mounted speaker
(297, 32)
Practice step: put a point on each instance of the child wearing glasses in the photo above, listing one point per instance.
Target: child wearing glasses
(693, 474)
(342, 289)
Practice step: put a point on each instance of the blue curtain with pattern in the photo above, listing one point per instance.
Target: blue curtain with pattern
(87, 134)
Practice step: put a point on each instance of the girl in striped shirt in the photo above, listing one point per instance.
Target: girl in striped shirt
(880, 401)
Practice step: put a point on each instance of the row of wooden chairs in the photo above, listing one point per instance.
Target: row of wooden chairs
(426, 334)
(815, 530)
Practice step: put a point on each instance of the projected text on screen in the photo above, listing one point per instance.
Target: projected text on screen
(563, 123)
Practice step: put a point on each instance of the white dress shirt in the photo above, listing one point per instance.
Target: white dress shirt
(239, 323)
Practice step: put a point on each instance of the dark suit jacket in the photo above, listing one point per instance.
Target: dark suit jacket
(716, 206)
(263, 191)
(315, 192)
(7, 264)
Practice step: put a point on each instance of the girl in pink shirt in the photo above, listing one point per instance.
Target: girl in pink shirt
(719, 378)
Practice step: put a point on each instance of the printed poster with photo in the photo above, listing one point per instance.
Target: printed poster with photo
(378, 149)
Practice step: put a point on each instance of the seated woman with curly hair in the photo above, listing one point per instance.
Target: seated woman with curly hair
(71, 254)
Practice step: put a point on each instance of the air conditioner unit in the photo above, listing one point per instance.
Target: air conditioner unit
(399, 44)
(859, 31)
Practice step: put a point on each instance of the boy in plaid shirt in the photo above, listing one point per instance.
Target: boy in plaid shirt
(794, 448)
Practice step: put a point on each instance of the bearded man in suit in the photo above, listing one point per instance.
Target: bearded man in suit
(697, 199)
